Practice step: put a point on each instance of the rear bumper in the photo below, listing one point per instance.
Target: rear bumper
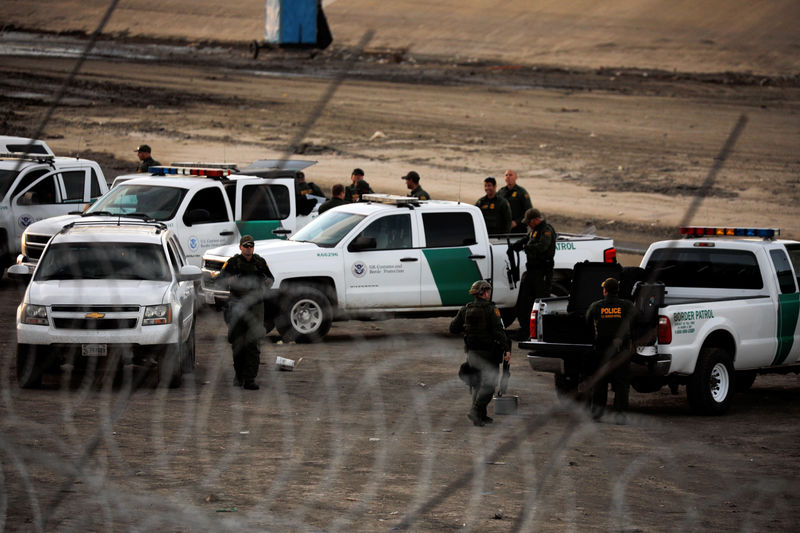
(562, 358)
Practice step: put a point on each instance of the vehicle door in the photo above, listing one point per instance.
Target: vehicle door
(185, 290)
(454, 259)
(261, 208)
(381, 263)
(204, 221)
(50, 194)
(788, 331)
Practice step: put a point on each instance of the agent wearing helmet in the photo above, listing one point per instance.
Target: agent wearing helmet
(611, 318)
(486, 345)
(540, 248)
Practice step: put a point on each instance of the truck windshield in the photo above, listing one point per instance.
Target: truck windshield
(328, 229)
(103, 260)
(159, 203)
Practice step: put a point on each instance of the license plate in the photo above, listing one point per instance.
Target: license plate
(94, 350)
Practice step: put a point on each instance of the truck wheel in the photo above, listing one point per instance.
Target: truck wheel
(745, 380)
(5, 252)
(169, 366)
(565, 385)
(710, 388)
(29, 367)
(187, 357)
(305, 315)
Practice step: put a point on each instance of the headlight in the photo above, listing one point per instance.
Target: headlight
(157, 314)
(34, 314)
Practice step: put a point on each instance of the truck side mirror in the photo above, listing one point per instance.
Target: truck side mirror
(362, 243)
(19, 273)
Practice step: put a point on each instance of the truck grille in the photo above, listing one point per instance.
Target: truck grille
(34, 245)
(213, 265)
(95, 308)
(94, 324)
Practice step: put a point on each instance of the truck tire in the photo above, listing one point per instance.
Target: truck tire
(745, 380)
(188, 353)
(710, 389)
(566, 385)
(5, 251)
(305, 315)
(169, 366)
(29, 367)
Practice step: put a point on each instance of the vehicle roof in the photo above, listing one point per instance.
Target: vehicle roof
(14, 142)
(137, 232)
(183, 182)
(366, 208)
(737, 242)
(14, 163)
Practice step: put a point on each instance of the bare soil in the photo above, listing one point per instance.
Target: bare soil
(369, 432)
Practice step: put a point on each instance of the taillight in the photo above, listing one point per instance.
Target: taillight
(534, 317)
(610, 255)
(664, 330)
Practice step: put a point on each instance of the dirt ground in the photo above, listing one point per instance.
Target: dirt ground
(369, 432)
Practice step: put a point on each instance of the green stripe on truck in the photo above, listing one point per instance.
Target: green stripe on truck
(260, 229)
(453, 272)
(788, 309)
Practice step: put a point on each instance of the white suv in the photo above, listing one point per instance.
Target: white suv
(104, 295)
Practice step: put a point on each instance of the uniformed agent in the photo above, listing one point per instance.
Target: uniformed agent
(145, 159)
(612, 318)
(519, 200)
(303, 190)
(247, 276)
(354, 191)
(412, 183)
(496, 211)
(486, 345)
(337, 199)
(540, 248)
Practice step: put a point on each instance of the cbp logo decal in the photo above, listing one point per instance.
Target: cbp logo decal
(25, 220)
(359, 269)
(193, 243)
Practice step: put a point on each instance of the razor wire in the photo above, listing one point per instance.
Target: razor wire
(196, 414)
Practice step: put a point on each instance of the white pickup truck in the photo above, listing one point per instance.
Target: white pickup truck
(35, 185)
(205, 207)
(391, 255)
(716, 310)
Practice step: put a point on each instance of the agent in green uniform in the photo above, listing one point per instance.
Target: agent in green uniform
(612, 318)
(247, 276)
(412, 183)
(540, 247)
(486, 345)
(304, 191)
(145, 159)
(358, 187)
(519, 200)
(496, 211)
